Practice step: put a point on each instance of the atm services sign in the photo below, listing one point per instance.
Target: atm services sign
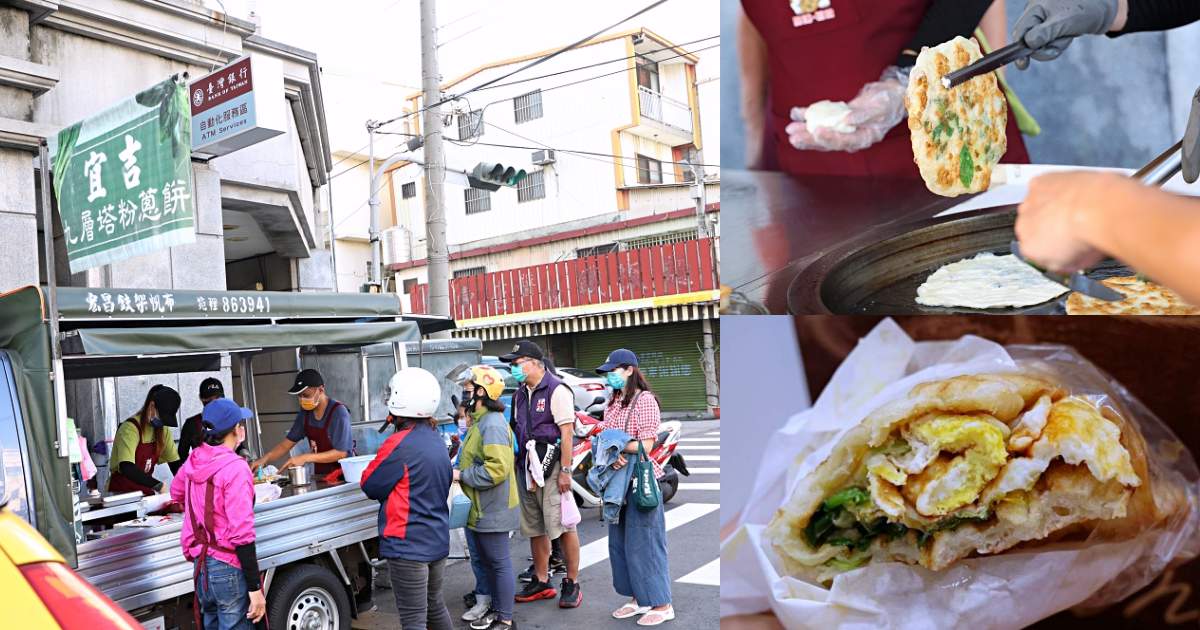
(227, 108)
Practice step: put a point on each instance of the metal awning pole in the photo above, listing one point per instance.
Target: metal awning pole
(56, 374)
(254, 430)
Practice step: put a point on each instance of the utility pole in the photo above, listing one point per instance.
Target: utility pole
(712, 391)
(438, 253)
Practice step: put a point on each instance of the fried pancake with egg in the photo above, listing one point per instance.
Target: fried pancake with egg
(966, 466)
(958, 135)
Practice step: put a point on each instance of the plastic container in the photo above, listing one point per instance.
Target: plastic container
(353, 467)
(460, 509)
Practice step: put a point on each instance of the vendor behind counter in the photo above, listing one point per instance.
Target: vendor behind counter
(143, 441)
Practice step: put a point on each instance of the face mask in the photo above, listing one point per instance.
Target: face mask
(518, 373)
(157, 422)
(308, 404)
(615, 380)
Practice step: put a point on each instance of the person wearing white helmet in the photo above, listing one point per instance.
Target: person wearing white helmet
(410, 477)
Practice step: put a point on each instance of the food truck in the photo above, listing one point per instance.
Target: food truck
(317, 542)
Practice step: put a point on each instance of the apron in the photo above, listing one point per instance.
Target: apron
(144, 457)
(827, 50)
(208, 540)
(318, 438)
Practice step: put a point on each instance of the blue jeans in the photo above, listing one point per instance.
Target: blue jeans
(637, 551)
(494, 557)
(222, 595)
(481, 578)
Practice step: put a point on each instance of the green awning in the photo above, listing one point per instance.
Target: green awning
(90, 304)
(167, 340)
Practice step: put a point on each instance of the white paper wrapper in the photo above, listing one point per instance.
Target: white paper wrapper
(1009, 590)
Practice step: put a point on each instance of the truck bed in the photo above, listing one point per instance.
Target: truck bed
(141, 566)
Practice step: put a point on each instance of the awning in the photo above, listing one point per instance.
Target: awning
(174, 340)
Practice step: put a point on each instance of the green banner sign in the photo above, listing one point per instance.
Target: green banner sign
(123, 179)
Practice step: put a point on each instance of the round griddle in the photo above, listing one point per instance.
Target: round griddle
(879, 272)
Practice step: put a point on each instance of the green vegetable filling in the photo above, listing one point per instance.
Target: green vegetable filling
(966, 166)
(836, 523)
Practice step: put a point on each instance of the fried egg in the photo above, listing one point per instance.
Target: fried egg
(973, 454)
(1030, 426)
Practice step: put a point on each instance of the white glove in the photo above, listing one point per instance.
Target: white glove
(868, 117)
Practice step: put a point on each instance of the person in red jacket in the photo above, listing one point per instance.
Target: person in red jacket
(794, 54)
(410, 477)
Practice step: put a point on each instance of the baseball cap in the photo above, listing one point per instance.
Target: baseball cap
(616, 359)
(210, 387)
(166, 401)
(222, 414)
(305, 379)
(523, 348)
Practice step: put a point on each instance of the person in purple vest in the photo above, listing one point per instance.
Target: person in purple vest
(544, 415)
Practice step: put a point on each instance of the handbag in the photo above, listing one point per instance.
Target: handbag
(646, 493)
(460, 507)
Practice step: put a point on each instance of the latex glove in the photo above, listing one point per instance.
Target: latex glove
(1051, 219)
(878, 107)
(1048, 26)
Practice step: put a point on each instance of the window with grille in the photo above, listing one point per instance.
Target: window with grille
(470, 126)
(410, 285)
(528, 107)
(665, 238)
(470, 271)
(649, 170)
(408, 191)
(477, 200)
(532, 187)
(647, 74)
(690, 156)
(607, 248)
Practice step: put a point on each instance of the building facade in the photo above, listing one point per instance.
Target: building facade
(261, 212)
(602, 245)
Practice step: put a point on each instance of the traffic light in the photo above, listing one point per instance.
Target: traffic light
(491, 176)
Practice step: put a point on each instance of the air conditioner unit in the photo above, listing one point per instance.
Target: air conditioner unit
(543, 156)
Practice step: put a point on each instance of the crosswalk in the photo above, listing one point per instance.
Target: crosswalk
(702, 455)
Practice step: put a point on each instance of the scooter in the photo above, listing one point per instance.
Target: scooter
(587, 428)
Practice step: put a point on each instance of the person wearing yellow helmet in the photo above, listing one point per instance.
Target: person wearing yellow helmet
(487, 474)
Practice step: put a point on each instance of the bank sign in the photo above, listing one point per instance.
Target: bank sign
(123, 179)
(225, 106)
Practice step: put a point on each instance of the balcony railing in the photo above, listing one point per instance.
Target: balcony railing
(664, 109)
(647, 272)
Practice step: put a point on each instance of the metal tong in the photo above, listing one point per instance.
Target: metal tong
(1182, 156)
(986, 64)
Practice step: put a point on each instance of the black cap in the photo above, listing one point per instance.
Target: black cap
(523, 348)
(305, 379)
(166, 401)
(210, 387)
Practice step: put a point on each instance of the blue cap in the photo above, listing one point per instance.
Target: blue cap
(222, 415)
(616, 359)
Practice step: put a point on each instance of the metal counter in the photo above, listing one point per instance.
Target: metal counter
(141, 566)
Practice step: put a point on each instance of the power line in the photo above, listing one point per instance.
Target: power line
(526, 66)
(543, 145)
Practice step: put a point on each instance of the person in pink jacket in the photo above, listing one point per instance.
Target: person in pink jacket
(217, 491)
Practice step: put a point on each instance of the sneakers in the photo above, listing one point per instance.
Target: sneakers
(469, 600)
(485, 620)
(558, 566)
(482, 607)
(536, 590)
(570, 595)
(494, 623)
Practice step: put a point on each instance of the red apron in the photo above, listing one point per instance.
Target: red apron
(318, 437)
(145, 457)
(828, 51)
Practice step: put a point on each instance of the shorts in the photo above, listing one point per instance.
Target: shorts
(541, 510)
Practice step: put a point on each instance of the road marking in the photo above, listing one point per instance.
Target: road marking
(698, 447)
(700, 439)
(704, 471)
(597, 551)
(707, 575)
(713, 433)
(700, 486)
(703, 458)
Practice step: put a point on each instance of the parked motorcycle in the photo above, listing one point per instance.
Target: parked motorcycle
(588, 427)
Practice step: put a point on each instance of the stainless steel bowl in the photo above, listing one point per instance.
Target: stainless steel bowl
(298, 475)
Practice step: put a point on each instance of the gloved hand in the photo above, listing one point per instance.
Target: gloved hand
(1048, 26)
(878, 107)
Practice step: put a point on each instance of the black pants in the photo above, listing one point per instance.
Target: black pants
(418, 590)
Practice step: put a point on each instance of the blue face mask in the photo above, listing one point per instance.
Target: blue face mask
(157, 422)
(518, 373)
(616, 381)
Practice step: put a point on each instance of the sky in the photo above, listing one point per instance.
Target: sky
(371, 48)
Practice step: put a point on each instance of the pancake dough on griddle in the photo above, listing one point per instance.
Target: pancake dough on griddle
(987, 281)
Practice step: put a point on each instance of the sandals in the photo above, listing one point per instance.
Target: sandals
(655, 617)
(632, 609)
